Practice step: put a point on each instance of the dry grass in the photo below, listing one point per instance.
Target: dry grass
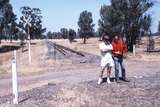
(6, 58)
(38, 53)
(90, 47)
(41, 63)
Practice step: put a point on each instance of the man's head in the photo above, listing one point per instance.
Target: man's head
(105, 38)
(116, 38)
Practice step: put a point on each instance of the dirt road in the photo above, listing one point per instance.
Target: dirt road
(78, 88)
(29, 82)
(134, 69)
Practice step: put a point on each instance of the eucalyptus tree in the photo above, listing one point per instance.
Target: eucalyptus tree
(36, 29)
(71, 35)
(64, 32)
(7, 19)
(86, 26)
(128, 17)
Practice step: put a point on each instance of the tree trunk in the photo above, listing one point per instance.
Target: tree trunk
(0, 35)
(129, 43)
(84, 40)
(131, 39)
(130, 46)
(11, 40)
(10, 35)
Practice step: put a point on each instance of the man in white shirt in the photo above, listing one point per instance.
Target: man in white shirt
(106, 58)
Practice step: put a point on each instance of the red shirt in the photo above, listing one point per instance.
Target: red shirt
(119, 47)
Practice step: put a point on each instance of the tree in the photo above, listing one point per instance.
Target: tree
(111, 21)
(129, 23)
(86, 26)
(146, 24)
(22, 37)
(13, 29)
(72, 35)
(136, 15)
(64, 32)
(7, 19)
(36, 29)
(54, 35)
(49, 35)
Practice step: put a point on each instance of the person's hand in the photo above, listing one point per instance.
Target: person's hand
(118, 52)
(125, 55)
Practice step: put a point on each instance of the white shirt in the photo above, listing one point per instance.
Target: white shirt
(106, 55)
(105, 50)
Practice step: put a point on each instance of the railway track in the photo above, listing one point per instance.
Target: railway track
(62, 53)
(63, 50)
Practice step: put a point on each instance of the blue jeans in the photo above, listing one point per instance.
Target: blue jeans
(122, 62)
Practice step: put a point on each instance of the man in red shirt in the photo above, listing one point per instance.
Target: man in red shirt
(119, 53)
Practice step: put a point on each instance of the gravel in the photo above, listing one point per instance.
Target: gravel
(139, 92)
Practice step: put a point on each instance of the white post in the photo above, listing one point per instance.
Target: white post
(134, 50)
(29, 46)
(14, 80)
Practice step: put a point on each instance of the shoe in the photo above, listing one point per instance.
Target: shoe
(100, 80)
(125, 80)
(108, 81)
(117, 81)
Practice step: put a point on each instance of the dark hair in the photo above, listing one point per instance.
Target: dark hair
(105, 35)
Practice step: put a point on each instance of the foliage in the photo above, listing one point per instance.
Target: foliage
(54, 35)
(111, 21)
(126, 18)
(36, 29)
(86, 26)
(64, 32)
(72, 35)
(7, 20)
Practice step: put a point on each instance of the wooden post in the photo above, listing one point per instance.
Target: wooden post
(14, 79)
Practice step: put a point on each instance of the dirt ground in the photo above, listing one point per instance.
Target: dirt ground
(70, 81)
(140, 92)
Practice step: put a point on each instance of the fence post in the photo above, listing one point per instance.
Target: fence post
(14, 79)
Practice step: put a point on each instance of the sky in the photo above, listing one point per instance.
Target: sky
(65, 13)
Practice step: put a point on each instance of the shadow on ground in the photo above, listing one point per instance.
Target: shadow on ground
(7, 48)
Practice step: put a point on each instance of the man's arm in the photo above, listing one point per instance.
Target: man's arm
(115, 50)
(107, 48)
